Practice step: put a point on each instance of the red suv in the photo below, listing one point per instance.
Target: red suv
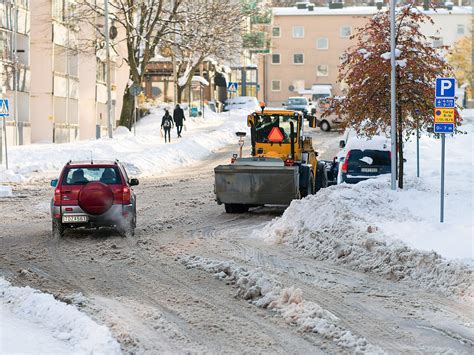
(94, 194)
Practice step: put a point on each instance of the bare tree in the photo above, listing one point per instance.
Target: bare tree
(143, 26)
(206, 29)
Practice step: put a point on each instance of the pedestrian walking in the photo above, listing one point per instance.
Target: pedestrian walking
(167, 124)
(178, 117)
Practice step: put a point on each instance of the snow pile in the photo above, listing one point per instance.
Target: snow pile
(5, 191)
(34, 322)
(265, 291)
(395, 234)
(145, 154)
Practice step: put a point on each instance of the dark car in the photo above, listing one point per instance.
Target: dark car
(361, 165)
(94, 194)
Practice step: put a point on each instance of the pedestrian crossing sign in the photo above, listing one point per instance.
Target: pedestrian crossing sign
(4, 110)
(232, 86)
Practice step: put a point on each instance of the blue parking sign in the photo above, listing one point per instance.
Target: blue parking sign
(445, 87)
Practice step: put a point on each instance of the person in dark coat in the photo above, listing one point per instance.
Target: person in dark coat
(178, 117)
(166, 124)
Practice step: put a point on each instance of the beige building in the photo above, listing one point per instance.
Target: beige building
(308, 43)
(68, 92)
(15, 69)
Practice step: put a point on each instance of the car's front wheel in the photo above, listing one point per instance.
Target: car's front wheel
(57, 229)
(325, 126)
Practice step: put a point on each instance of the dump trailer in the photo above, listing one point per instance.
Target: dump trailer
(283, 165)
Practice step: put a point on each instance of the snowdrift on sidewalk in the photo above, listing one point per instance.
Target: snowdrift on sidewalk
(35, 322)
(396, 234)
(145, 154)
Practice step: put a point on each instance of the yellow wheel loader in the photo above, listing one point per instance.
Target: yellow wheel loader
(283, 164)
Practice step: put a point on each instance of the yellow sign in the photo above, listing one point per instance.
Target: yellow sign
(444, 115)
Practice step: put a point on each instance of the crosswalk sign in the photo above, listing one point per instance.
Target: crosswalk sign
(232, 86)
(4, 110)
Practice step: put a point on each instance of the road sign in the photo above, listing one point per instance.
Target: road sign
(444, 115)
(232, 86)
(135, 89)
(445, 87)
(275, 135)
(444, 103)
(4, 108)
(443, 128)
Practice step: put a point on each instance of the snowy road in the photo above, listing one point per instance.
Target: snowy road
(153, 302)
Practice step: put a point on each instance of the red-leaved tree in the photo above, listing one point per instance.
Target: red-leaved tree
(366, 70)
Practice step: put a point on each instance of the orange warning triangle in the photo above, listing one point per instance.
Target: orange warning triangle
(275, 135)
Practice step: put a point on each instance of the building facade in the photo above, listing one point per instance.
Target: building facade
(15, 71)
(308, 43)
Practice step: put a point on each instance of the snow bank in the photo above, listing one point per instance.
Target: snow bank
(35, 323)
(265, 291)
(5, 191)
(395, 234)
(145, 154)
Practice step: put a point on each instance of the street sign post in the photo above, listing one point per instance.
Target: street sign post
(135, 90)
(444, 121)
(5, 112)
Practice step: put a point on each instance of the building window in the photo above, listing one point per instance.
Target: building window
(276, 59)
(346, 31)
(276, 85)
(100, 73)
(276, 32)
(298, 32)
(322, 43)
(438, 43)
(322, 70)
(461, 29)
(298, 58)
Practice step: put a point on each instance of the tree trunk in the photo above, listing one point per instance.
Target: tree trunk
(179, 93)
(128, 106)
(400, 150)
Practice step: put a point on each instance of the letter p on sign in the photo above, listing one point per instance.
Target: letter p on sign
(445, 87)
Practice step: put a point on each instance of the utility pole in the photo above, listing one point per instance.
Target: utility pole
(68, 39)
(393, 109)
(14, 10)
(107, 69)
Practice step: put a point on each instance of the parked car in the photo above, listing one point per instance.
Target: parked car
(241, 102)
(93, 194)
(299, 103)
(363, 158)
(332, 121)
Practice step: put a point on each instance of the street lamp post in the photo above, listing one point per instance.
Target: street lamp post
(393, 110)
(107, 69)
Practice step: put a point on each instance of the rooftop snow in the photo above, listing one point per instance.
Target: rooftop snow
(359, 10)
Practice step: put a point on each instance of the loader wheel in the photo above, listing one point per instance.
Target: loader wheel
(235, 208)
(321, 177)
(309, 190)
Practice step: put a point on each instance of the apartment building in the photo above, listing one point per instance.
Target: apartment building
(308, 43)
(68, 90)
(15, 67)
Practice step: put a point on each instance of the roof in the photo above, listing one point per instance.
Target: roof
(360, 11)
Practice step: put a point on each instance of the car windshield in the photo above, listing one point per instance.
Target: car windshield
(265, 124)
(297, 101)
(78, 176)
(369, 157)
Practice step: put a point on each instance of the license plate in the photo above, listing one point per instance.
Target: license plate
(369, 170)
(75, 219)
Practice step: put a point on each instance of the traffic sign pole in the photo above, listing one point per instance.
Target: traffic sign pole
(393, 109)
(441, 212)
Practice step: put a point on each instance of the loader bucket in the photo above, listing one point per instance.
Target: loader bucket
(256, 185)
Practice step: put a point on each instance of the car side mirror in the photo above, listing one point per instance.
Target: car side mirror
(54, 182)
(134, 182)
(342, 144)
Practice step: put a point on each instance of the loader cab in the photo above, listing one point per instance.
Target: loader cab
(276, 134)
